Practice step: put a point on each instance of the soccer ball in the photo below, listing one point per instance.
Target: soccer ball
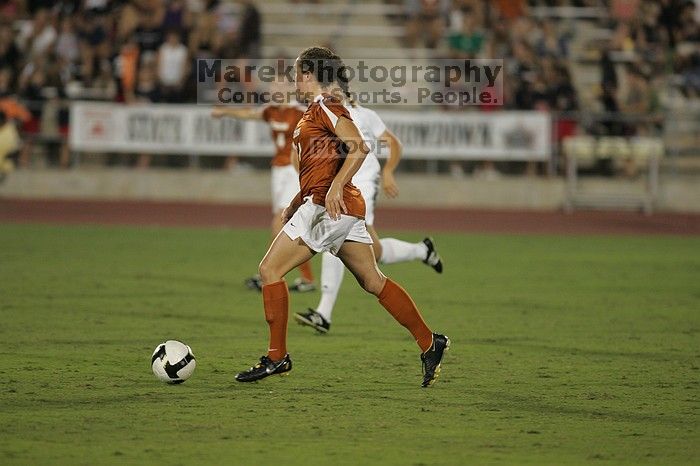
(173, 362)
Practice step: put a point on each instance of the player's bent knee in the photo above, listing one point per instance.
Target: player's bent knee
(374, 285)
(268, 273)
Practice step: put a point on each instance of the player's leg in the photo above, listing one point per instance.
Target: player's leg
(283, 255)
(288, 187)
(392, 251)
(284, 186)
(359, 259)
(306, 280)
(278, 193)
(332, 271)
(331, 278)
(275, 224)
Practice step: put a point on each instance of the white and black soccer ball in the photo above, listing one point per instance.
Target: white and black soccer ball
(173, 362)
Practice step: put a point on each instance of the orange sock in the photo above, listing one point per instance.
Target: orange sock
(401, 306)
(276, 302)
(305, 271)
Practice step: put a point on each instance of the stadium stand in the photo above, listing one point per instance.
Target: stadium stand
(618, 68)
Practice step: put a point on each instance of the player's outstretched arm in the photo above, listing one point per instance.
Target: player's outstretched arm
(350, 134)
(389, 139)
(244, 113)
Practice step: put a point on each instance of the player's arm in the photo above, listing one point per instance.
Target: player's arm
(293, 206)
(295, 158)
(389, 139)
(350, 134)
(243, 113)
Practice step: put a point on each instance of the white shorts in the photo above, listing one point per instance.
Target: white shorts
(285, 185)
(369, 193)
(315, 227)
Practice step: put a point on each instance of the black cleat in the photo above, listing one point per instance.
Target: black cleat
(432, 359)
(313, 319)
(432, 258)
(302, 286)
(264, 368)
(254, 283)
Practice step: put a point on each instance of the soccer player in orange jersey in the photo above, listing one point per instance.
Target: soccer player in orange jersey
(328, 215)
(386, 250)
(282, 120)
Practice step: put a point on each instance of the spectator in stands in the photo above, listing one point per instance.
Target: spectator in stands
(622, 39)
(67, 46)
(149, 33)
(147, 89)
(173, 67)
(104, 86)
(550, 43)
(9, 10)
(688, 66)
(466, 38)
(12, 110)
(37, 36)
(689, 22)
(9, 53)
(670, 19)
(9, 143)
(127, 62)
(565, 95)
(250, 33)
(176, 16)
(639, 99)
(426, 20)
(511, 9)
(609, 100)
(129, 19)
(203, 37)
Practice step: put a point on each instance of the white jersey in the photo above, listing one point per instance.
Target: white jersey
(372, 128)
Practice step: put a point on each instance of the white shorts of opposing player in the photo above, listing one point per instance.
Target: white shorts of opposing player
(285, 185)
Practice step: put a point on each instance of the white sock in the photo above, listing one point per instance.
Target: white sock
(332, 271)
(394, 250)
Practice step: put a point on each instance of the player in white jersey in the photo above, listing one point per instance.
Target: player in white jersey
(386, 250)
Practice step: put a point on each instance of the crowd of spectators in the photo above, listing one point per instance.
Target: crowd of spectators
(651, 45)
(654, 38)
(117, 50)
(145, 50)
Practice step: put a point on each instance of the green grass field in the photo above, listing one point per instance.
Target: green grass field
(566, 350)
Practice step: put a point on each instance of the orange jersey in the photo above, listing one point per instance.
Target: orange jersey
(320, 156)
(282, 120)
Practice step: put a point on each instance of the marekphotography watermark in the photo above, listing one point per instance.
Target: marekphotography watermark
(444, 82)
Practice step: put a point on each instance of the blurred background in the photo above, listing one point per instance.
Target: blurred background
(618, 82)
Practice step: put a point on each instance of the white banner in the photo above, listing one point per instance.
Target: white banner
(188, 129)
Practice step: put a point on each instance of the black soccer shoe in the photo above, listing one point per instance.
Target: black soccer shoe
(254, 283)
(432, 258)
(313, 319)
(432, 359)
(264, 368)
